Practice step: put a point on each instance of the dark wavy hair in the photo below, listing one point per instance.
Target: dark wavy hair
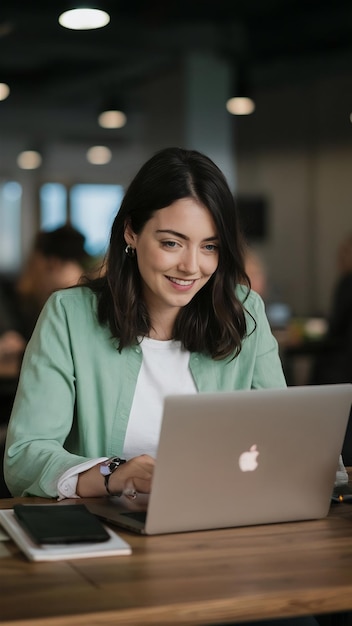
(213, 322)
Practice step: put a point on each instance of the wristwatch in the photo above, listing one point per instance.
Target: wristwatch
(107, 468)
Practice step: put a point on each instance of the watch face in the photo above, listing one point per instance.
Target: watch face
(109, 466)
(113, 465)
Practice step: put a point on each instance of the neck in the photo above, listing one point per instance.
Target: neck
(159, 335)
(162, 324)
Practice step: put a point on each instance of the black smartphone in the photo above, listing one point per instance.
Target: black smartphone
(60, 523)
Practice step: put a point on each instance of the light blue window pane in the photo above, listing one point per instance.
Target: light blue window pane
(10, 226)
(92, 211)
(53, 206)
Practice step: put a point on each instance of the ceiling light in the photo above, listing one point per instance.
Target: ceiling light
(29, 160)
(4, 91)
(112, 119)
(241, 102)
(99, 155)
(240, 105)
(84, 19)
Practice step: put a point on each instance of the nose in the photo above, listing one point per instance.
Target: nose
(188, 262)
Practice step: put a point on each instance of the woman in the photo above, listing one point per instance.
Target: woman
(173, 313)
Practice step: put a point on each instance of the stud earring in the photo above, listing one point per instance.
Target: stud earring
(131, 252)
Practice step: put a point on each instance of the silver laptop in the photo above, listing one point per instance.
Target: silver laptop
(241, 458)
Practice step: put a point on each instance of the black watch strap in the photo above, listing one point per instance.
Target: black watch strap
(109, 467)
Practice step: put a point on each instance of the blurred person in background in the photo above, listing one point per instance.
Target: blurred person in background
(334, 362)
(277, 311)
(12, 343)
(256, 270)
(57, 260)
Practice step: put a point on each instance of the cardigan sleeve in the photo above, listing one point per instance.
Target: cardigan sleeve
(43, 409)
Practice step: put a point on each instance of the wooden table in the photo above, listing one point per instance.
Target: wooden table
(207, 577)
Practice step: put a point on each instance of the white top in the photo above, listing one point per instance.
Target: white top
(164, 371)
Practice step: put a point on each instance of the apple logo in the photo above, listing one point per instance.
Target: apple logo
(248, 459)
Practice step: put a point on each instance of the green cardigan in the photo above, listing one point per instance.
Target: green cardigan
(75, 389)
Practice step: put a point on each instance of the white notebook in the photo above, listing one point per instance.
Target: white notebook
(115, 546)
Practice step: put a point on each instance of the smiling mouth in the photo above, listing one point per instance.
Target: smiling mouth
(180, 281)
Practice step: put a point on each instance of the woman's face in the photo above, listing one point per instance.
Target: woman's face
(177, 252)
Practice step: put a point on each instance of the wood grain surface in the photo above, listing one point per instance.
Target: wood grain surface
(208, 577)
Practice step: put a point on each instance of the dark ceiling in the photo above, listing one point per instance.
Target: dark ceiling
(60, 76)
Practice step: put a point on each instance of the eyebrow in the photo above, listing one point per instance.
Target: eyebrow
(182, 236)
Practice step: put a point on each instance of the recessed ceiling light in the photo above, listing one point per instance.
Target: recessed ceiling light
(29, 160)
(240, 106)
(84, 19)
(112, 119)
(4, 91)
(99, 155)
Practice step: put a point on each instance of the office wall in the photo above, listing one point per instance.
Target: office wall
(296, 150)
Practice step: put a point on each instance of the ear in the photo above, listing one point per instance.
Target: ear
(129, 235)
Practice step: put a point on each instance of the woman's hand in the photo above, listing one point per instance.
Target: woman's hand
(134, 476)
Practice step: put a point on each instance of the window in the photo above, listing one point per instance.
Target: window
(10, 226)
(89, 208)
(53, 206)
(92, 211)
